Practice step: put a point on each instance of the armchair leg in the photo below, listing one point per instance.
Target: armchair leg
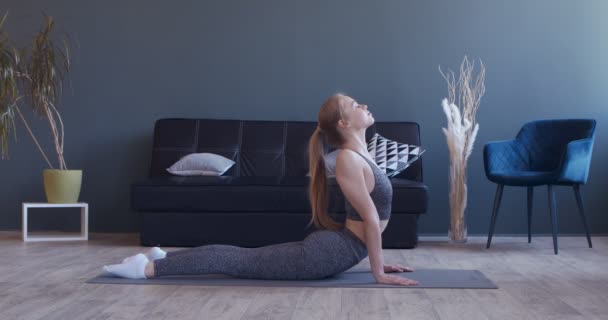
(579, 202)
(497, 199)
(553, 212)
(530, 201)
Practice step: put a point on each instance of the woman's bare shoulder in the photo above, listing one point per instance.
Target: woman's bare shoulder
(346, 156)
(347, 162)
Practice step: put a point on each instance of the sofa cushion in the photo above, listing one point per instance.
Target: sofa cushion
(259, 148)
(408, 197)
(255, 194)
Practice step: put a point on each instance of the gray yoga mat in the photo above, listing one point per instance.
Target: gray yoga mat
(427, 278)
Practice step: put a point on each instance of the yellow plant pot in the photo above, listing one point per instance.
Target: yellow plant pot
(62, 186)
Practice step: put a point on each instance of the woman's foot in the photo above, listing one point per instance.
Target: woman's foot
(133, 269)
(154, 253)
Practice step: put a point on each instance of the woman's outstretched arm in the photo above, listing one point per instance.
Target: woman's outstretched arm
(349, 175)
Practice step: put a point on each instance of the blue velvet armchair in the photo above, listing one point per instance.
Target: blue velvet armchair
(545, 152)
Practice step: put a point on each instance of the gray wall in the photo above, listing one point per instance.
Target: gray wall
(278, 60)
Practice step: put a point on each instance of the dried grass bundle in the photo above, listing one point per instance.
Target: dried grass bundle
(460, 136)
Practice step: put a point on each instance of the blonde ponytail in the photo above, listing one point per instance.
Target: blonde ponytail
(318, 184)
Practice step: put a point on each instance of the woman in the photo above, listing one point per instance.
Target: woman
(332, 249)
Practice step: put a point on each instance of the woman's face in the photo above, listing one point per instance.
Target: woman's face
(356, 114)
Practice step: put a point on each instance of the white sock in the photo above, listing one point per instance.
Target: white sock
(154, 253)
(134, 269)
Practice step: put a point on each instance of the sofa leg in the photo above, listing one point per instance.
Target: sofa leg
(553, 213)
(581, 209)
(497, 199)
(530, 202)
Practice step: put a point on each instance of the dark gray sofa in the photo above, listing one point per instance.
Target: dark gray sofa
(263, 198)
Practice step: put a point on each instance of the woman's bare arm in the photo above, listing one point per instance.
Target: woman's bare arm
(349, 175)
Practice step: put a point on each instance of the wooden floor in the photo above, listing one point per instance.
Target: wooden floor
(46, 281)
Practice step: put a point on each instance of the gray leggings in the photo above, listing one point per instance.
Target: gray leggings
(321, 254)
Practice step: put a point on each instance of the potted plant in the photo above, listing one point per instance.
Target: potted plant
(34, 76)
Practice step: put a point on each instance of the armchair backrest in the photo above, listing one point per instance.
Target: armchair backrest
(546, 140)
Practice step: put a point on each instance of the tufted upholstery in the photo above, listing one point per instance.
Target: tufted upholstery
(259, 148)
(263, 198)
(543, 152)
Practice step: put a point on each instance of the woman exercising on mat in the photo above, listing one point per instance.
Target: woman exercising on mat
(332, 249)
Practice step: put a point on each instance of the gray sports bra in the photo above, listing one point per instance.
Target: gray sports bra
(382, 195)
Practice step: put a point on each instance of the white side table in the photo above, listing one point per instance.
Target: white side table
(84, 221)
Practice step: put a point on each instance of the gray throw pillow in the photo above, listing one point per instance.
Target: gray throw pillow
(201, 164)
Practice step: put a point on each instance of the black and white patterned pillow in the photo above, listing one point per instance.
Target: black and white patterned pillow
(391, 156)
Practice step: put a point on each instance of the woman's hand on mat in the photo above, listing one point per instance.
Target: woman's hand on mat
(390, 279)
(397, 268)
